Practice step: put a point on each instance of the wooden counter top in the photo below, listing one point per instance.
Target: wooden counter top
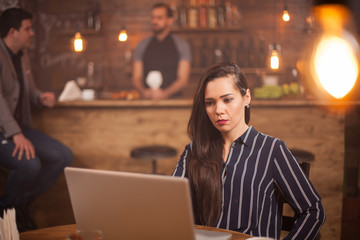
(102, 134)
(186, 103)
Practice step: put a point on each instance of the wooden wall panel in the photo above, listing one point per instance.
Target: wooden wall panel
(102, 138)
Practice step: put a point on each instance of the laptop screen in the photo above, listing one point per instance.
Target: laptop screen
(131, 205)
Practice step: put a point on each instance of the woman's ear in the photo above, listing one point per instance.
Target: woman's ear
(248, 96)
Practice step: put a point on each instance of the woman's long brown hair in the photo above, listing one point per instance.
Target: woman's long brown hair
(205, 160)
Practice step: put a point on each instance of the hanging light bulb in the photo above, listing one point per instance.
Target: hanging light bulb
(274, 57)
(334, 62)
(78, 42)
(286, 16)
(123, 35)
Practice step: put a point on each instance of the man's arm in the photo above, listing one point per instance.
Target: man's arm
(181, 81)
(137, 76)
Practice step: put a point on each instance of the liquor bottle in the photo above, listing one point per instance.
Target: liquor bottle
(241, 54)
(227, 51)
(236, 17)
(205, 54)
(193, 15)
(251, 56)
(228, 14)
(217, 52)
(194, 62)
(97, 22)
(211, 15)
(182, 15)
(202, 14)
(262, 55)
(221, 14)
(90, 16)
(174, 10)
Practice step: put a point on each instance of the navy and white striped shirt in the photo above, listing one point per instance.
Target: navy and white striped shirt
(257, 166)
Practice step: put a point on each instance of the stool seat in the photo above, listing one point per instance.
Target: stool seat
(153, 153)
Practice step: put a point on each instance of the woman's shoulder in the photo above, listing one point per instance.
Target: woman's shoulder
(269, 138)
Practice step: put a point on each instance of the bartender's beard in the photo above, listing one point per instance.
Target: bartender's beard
(158, 31)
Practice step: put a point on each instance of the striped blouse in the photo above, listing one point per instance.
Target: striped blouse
(257, 167)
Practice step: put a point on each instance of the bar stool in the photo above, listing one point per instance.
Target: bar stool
(153, 153)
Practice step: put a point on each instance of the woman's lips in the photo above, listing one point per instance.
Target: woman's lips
(221, 122)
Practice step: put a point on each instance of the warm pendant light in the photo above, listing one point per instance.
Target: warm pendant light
(274, 56)
(334, 62)
(286, 16)
(123, 35)
(274, 60)
(79, 44)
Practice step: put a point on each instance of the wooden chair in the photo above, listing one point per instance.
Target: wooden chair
(288, 221)
(304, 158)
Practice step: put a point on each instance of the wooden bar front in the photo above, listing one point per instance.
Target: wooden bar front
(101, 134)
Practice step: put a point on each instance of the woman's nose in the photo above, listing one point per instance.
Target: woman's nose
(219, 108)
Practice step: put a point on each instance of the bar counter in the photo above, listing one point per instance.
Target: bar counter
(101, 134)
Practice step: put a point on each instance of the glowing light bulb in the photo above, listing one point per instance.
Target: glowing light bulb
(274, 60)
(286, 16)
(78, 43)
(123, 35)
(334, 63)
(336, 66)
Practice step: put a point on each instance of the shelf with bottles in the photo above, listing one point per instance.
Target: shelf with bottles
(200, 30)
(82, 31)
(86, 22)
(207, 15)
(246, 70)
(248, 52)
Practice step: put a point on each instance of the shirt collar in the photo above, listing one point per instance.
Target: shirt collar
(246, 137)
(12, 54)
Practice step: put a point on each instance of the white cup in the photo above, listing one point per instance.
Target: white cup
(154, 79)
(88, 94)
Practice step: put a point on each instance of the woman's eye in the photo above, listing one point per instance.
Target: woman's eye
(209, 103)
(227, 100)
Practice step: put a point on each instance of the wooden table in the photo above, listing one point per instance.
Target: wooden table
(60, 232)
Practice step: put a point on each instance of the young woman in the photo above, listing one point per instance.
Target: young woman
(235, 172)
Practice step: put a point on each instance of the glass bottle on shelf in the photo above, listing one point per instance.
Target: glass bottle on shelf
(182, 15)
(97, 22)
(236, 17)
(221, 14)
(218, 54)
(262, 55)
(90, 16)
(211, 15)
(193, 15)
(173, 8)
(202, 14)
(205, 54)
(227, 51)
(194, 62)
(228, 14)
(241, 54)
(251, 55)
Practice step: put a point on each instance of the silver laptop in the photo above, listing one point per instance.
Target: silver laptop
(134, 206)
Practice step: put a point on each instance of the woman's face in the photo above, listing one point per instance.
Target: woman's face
(225, 105)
